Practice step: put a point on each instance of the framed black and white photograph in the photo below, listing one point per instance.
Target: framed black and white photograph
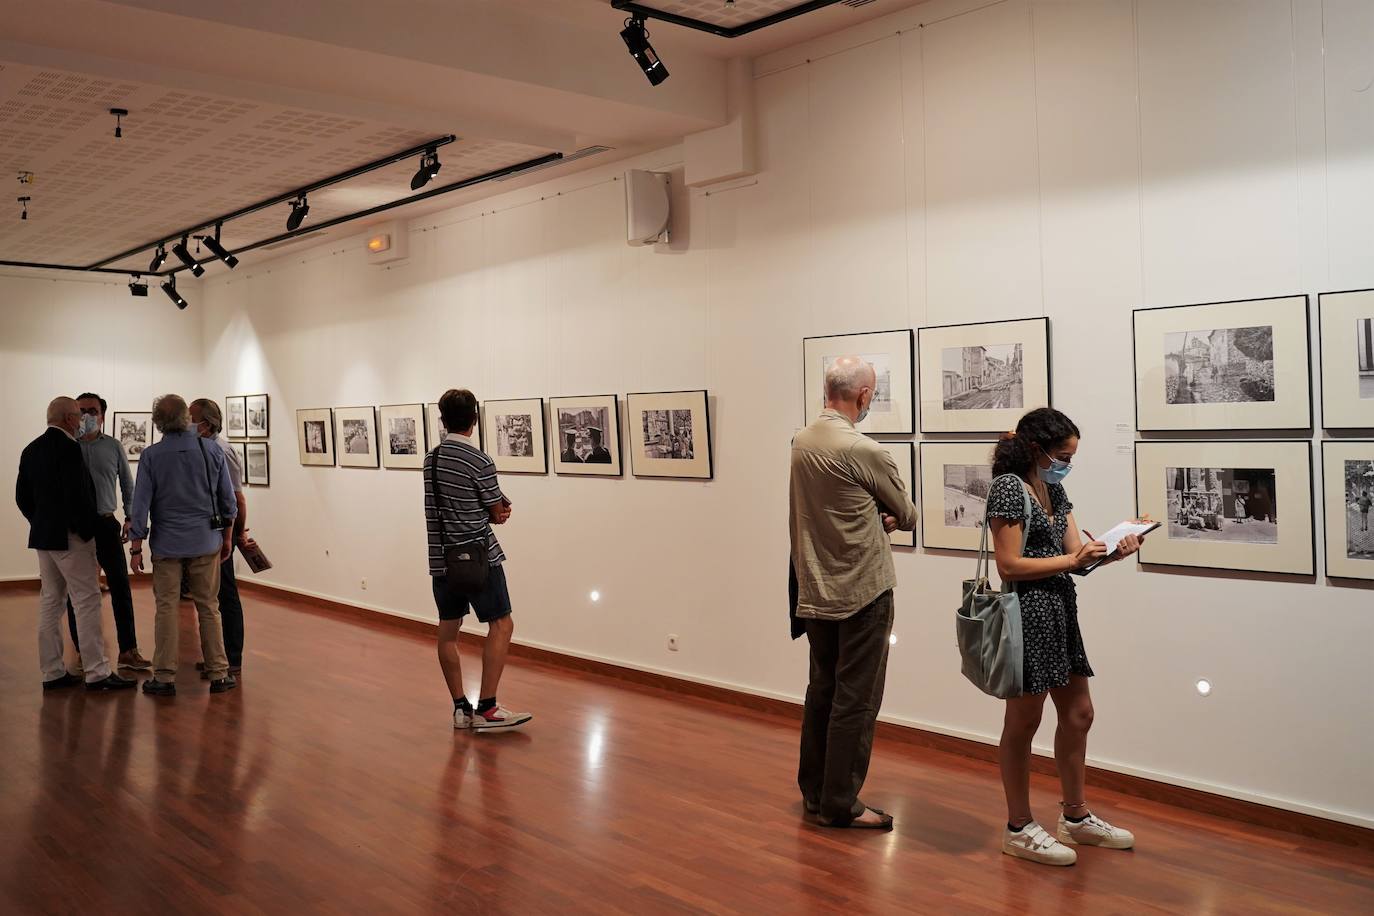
(255, 467)
(890, 354)
(134, 430)
(1346, 321)
(980, 378)
(514, 433)
(355, 432)
(236, 417)
(1348, 478)
(1223, 366)
(904, 454)
(256, 412)
(402, 431)
(241, 450)
(670, 434)
(434, 423)
(587, 431)
(955, 480)
(1228, 504)
(315, 436)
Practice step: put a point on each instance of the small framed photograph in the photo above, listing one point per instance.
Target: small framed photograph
(134, 430)
(1223, 366)
(1346, 322)
(435, 424)
(904, 454)
(890, 354)
(980, 378)
(255, 406)
(588, 430)
(241, 452)
(403, 435)
(355, 431)
(670, 434)
(514, 430)
(236, 417)
(315, 436)
(1348, 478)
(1228, 504)
(955, 480)
(255, 468)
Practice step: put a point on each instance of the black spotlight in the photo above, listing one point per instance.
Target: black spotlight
(299, 208)
(184, 256)
(137, 288)
(637, 40)
(170, 288)
(220, 252)
(159, 257)
(429, 168)
(120, 114)
(24, 203)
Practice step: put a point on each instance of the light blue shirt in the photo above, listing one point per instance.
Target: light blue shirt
(173, 490)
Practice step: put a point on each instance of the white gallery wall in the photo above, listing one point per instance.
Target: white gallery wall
(961, 161)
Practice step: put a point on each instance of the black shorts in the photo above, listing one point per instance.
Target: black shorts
(491, 603)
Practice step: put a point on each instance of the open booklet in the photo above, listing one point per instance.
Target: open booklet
(1113, 539)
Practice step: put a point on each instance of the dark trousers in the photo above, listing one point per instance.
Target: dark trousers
(109, 553)
(231, 613)
(848, 670)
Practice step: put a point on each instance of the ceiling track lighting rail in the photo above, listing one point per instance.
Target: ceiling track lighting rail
(641, 11)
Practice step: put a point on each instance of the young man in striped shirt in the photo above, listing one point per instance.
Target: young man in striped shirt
(470, 500)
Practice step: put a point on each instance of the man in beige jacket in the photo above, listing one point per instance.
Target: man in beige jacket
(846, 495)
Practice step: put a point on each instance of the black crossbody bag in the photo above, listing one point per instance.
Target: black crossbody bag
(466, 565)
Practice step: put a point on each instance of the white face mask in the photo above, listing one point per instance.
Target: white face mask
(863, 414)
(89, 424)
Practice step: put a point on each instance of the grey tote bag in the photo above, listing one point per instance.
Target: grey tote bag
(988, 623)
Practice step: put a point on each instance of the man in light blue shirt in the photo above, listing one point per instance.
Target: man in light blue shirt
(186, 489)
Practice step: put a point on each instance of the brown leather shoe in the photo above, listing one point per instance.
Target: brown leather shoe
(134, 661)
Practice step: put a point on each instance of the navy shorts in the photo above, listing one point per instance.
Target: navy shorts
(491, 603)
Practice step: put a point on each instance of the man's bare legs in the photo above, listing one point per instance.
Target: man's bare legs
(448, 657)
(494, 653)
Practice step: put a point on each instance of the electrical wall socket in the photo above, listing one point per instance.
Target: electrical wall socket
(672, 642)
(363, 583)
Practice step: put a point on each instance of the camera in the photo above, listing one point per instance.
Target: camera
(217, 522)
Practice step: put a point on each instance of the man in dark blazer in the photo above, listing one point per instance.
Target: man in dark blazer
(56, 495)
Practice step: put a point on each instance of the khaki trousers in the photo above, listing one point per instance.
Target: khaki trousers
(203, 574)
(72, 572)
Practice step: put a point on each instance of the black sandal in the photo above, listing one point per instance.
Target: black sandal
(884, 822)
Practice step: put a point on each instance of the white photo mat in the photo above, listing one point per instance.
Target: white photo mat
(236, 416)
(256, 453)
(317, 424)
(952, 513)
(257, 415)
(1347, 338)
(1349, 525)
(697, 436)
(355, 437)
(607, 404)
(1034, 337)
(904, 454)
(891, 354)
(133, 439)
(402, 426)
(1292, 549)
(497, 416)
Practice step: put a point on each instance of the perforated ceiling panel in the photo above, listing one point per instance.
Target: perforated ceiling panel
(718, 12)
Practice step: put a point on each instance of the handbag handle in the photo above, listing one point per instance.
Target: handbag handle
(980, 573)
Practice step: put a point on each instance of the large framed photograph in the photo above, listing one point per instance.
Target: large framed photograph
(315, 436)
(514, 429)
(1228, 504)
(241, 450)
(1348, 479)
(1223, 366)
(255, 409)
(955, 480)
(255, 468)
(904, 454)
(890, 354)
(980, 378)
(236, 417)
(402, 435)
(1346, 322)
(134, 430)
(670, 434)
(355, 431)
(588, 430)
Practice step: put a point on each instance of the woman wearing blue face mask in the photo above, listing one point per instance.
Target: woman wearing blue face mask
(1036, 458)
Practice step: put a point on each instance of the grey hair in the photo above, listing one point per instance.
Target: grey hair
(170, 414)
(209, 414)
(845, 377)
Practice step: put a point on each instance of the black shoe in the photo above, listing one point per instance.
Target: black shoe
(57, 683)
(156, 688)
(113, 682)
(223, 684)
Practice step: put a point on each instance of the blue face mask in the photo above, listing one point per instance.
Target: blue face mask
(1056, 472)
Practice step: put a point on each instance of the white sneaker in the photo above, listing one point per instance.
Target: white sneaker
(461, 719)
(1032, 843)
(1094, 831)
(499, 717)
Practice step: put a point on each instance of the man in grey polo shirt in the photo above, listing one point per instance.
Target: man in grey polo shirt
(108, 465)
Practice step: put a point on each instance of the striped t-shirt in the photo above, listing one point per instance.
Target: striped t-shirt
(467, 488)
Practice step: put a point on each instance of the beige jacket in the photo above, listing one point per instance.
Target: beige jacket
(841, 481)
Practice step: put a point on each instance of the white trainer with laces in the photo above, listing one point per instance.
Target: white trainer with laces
(499, 717)
(1094, 831)
(1034, 844)
(461, 719)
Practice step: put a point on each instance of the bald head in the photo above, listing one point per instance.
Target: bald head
(849, 386)
(64, 414)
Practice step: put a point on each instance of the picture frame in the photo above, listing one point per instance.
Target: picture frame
(315, 436)
(583, 447)
(1234, 504)
(355, 437)
(241, 450)
(236, 417)
(983, 376)
(256, 467)
(135, 431)
(955, 480)
(1240, 365)
(1345, 331)
(893, 359)
(401, 428)
(904, 454)
(257, 416)
(1348, 499)
(516, 430)
(436, 432)
(670, 434)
